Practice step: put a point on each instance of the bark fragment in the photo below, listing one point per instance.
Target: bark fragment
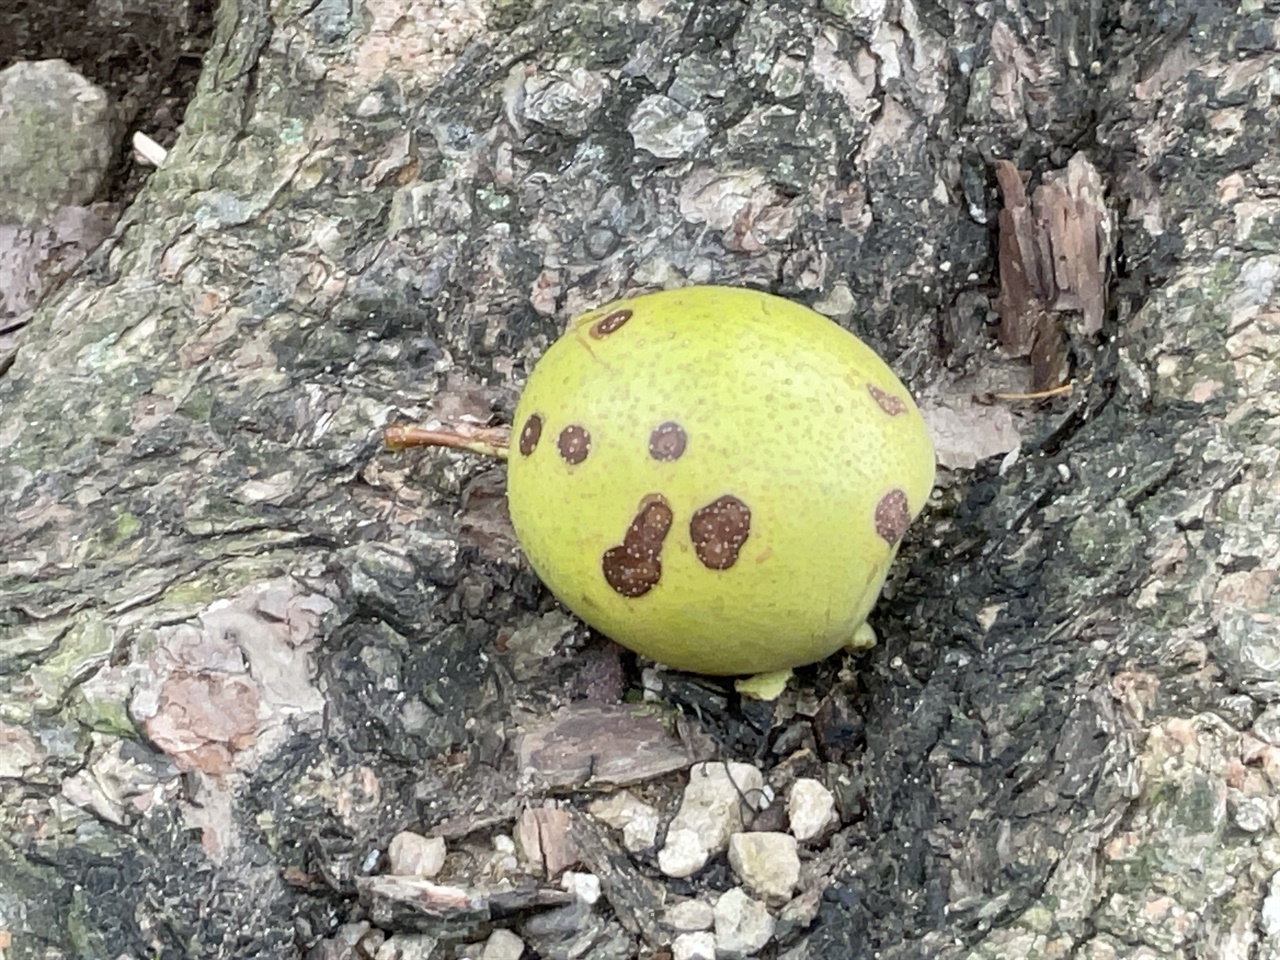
(1054, 252)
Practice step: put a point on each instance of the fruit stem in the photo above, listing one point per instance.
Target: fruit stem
(486, 441)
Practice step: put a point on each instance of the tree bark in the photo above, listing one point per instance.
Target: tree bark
(243, 645)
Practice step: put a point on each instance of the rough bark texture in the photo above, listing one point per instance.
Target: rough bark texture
(242, 646)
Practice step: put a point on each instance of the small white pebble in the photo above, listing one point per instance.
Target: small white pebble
(1250, 814)
(584, 886)
(413, 855)
(683, 854)
(711, 809)
(1064, 472)
(743, 925)
(689, 916)
(504, 844)
(811, 808)
(767, 863)
(637, 820)
(503, 945)
(1009, 460)
(694, 946)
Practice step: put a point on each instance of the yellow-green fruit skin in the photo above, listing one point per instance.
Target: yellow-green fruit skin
(781, 409)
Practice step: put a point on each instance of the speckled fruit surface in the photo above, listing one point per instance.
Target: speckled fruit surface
(716, 478)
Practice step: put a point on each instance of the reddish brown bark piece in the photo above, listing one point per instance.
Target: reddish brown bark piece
(544, 836)
(719, 530)
(203, 720)
(1053, 253)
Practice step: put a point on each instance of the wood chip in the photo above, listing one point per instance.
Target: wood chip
(543, 834)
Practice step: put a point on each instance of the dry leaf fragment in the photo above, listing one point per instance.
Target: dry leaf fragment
(965, 432)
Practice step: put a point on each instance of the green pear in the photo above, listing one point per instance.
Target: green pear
(716, 478)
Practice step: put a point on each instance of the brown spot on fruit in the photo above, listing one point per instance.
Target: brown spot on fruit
(893, 515)
(719, 530)
(667, 442)
(574, 443)
(531, 434)
(634, 567)
(888, 402)
(609, 323)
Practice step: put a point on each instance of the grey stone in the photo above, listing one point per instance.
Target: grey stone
(57, 139)
(566, 103)
(665, 129)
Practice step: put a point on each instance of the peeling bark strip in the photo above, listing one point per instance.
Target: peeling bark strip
(635, 567)
(1053, 254)
(719, 530)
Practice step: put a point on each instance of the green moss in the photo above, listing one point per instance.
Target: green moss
(1025, 706)
(190, 593)
(126, 525)
(102, 716)
(506, 15)
(198, 405)
(82, 649)
(114, 423)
